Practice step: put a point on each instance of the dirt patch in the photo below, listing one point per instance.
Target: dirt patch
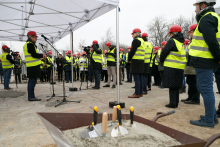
(11, 94)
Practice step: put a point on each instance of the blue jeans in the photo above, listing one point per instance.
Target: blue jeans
(31, 84)
(90, 73)
(129, 75)
(184, 81)
(145, 81)
(7, 77)
(138, 78)
(68, 76)
(1, 77)
(97, 77)
(205, 87)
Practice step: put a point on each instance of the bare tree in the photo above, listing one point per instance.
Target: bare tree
(108, 37)
(81, 44)
(158, 30)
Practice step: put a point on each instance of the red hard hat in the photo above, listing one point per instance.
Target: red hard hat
(69, 51)
(121, 49)
(108, 44)
(49, 52)
(105, 51)
(135, 31)
(129, 47)
(160, 48)
(73, 55)
(17, 53)
(81, 54)
(91, 46)
(144, 35)
(186, 41)
(66, 53)
(84, 53)
(164, 43)
(4, 47)
(192, 27)
(32, 33)
(175, 28)
(44, 56)
(78, 54)
(95, 42)
(156, 48)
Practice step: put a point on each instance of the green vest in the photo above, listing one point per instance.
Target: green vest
(97, 57)
(140, 52)
(199, 47)
(5, 63)
(110, 57)
(30, 61)
(148, 52)
(176, 59)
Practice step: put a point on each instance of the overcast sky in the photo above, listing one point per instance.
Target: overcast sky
(134, 14)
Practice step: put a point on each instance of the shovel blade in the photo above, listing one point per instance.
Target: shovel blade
(115, 132)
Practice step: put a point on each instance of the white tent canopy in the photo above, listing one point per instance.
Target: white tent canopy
(52, 18)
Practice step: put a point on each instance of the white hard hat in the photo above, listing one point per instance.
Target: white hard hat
(60, 53)
(207, 1)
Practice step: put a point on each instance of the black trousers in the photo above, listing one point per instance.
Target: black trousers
(161, 76)
(123, 73)
(83, 75)
(149, 80)
(193, 93)
(74, 73)
(174, 96)
(77, 72)
(18, 78)
(104, 75)
(60, 75)
(43, 77)
(157, 79)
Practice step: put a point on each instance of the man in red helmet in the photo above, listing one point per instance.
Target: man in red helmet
(33, 62)
(128, 66)
(67, 67)
(136, 57)
(77, 67)
(50, 63)
(7, 65)
(173, 58)
(205, 57)
(1, 71)
(59, 61)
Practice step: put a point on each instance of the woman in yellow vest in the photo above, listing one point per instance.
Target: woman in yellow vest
(96, 63)
(154, 72)
(7, 65)
(173, 58)
(33, 62)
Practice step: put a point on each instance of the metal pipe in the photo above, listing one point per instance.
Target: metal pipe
(71, 46)
(117, 42)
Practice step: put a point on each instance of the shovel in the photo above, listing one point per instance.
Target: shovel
(114, 116)
(119, 130)
(92, 131)
(131, 124)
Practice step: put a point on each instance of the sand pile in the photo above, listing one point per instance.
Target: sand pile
(141, 136)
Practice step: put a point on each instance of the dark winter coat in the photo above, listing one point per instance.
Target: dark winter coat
(218, 70)
(60, 61)
(1, 69)
(95, 65)
(208, 27)
(34, 71)
(173, 78)
(67, 67)
(16, 69)
(154, 71)
(137, 66)
(110, 63)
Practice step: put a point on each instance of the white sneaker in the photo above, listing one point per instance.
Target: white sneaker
(89, 84)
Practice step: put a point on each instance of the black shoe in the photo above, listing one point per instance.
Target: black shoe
(106, 85)
(133, 87)
(120, 83)
(154, 84)
(217, 93)
(95, 87)
(67, 82)
(184, 100)
(113, 86)
(127, 81)
(34, 99)
(172, 105)
(192, 102)
(218, 114)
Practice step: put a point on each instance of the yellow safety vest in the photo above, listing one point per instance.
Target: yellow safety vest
(103, 61)
(127, 57)
(42, 64)
(199, 47)
(30, 61)
(148, 52)
(110, 57)
(176, 59)
(97, 57)
(155, 62)
(50, 60)
(85, 64)
(68, 59)
(5, 63)
(140, 52)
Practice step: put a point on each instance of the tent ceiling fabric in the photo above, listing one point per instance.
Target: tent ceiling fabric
(53, 18)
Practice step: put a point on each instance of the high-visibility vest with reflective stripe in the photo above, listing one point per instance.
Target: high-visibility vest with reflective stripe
(76, 62)
(85, 64)
(30, 61)
(140, 52)
(50, 60)
(148, 52)
(199, 47)
(127, 57)
(68, 59)
(110, 57)
(155, 62)
(5, 63)
(42, 64)
(103, 62)
(176, 59)
(97, 57)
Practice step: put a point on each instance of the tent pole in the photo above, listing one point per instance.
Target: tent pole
(117, 42)
(71, 46)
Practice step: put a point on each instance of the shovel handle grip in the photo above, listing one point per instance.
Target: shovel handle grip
(131, 115)
(171, 112)
(95, 115)
(119, 114)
